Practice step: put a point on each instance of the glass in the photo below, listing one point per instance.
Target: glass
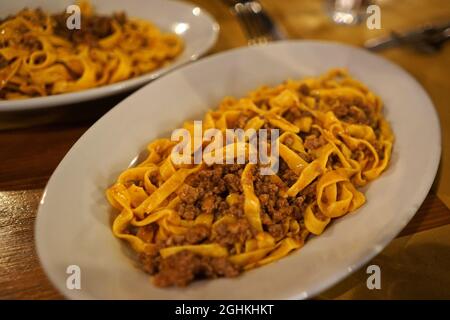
(349, 12)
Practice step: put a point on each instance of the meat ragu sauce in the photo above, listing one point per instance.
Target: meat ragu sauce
(206, 192)
(217, 189)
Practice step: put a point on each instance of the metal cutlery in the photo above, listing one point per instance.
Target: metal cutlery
(257, 24)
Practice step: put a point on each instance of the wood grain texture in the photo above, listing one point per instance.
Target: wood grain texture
(21, 276)
(30, 153)
(39, 150)
(433, 213)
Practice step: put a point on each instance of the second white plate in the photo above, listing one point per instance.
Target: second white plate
(195, 26)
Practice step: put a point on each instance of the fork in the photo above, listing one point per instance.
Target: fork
(258, 26)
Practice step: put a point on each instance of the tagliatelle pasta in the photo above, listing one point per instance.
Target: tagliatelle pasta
(40, 56)
(188, 221)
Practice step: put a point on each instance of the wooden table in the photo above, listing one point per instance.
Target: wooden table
(32, 144)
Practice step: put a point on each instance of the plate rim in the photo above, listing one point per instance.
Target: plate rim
(91, 94)
(423, 190)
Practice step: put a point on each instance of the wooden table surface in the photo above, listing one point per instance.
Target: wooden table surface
(32, 144)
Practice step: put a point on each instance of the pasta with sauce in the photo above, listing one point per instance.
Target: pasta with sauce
(40, 56)
(189, 222)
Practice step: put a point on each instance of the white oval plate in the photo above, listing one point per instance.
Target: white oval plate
(195, 26)
(73, 223)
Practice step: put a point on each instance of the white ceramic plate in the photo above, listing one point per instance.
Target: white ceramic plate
(73, 223)
(196, 27)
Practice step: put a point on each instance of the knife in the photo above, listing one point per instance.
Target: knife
(428, 38)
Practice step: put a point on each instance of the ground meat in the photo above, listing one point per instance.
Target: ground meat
(281, 210)
(340, 111)
(146, 233)
(242, 121)
(182, 268)
(304, 89)
(313, 142)
(153, 177)
(194, 235)
(357, 115)
(208, 204)
(227, 234)
(188, 211)
(332, 161)
(233, 182)
(197, 234)
(353, 111)
(236, 210)
(299, 201)
(208, 180)
(273, 204)
(292, 114)
(188, 194)
(30, 42)
(298, 207)
(264, 185)
(233, 168)
(310, 189)
(276, 230)
(206, 192)
(289, 177)
(93, 28)
(264, 199)
(150, 261)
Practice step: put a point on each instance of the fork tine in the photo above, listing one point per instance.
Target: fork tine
(252, 21)
(245, 22)
(248, 22)
(254, 10)
(258, 27)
